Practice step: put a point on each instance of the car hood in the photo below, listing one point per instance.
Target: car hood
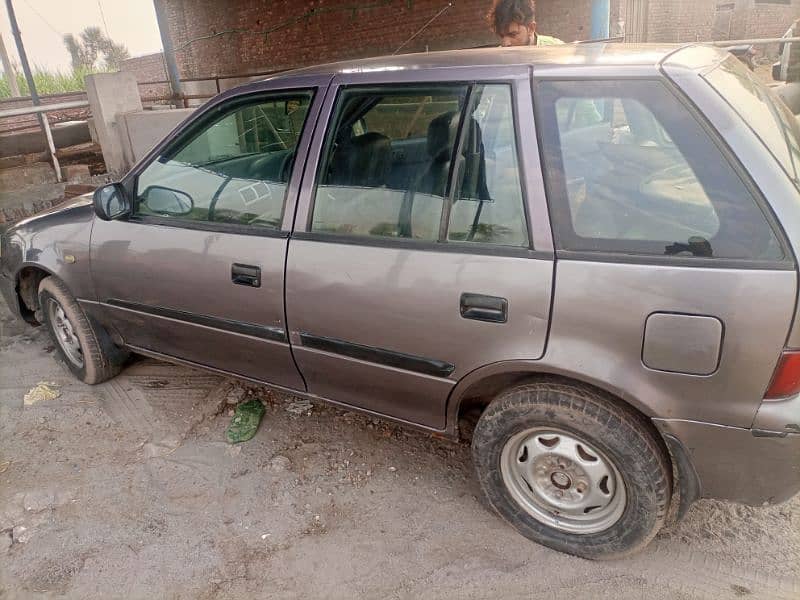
(75, 210)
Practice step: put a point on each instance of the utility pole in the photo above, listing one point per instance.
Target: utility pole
(8, 69)
(169, 51)
(26, 69)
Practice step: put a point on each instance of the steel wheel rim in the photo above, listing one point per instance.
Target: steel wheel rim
(65, 333)
(562, 481)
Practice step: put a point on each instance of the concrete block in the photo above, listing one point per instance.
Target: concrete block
(75, 173)
(26, 175)
(111, 95)
(92, 131)
(141, 130)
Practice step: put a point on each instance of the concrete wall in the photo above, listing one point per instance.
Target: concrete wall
(140, 130)
(29, 142)
(110, 95)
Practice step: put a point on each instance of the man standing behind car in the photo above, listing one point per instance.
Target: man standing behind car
(513, 22)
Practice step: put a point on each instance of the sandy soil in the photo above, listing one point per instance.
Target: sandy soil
(127, 489)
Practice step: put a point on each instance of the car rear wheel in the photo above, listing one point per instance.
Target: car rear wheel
(86, 349)
(573, 469)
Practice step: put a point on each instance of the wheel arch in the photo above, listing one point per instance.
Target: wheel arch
(475, 391)
(478, 387)
(27, 281)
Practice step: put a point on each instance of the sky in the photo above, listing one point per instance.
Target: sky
(43, 23)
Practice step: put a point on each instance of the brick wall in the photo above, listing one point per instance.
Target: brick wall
(312, 32)
(764, 19)
(240, 36)
(568, 20)
(146, 69)
(691, 20)
(680, 20)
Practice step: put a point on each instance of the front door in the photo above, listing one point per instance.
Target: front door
(197, 271)
(413, 261)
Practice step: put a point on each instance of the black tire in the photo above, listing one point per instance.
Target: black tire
(620, 433)
(101, 359)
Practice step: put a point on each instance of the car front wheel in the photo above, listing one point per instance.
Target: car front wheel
(87, 350)
(573, 469)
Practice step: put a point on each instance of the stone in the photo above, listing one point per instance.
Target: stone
(280, 464)
(75, 173)
(20, 534)
(5, 541)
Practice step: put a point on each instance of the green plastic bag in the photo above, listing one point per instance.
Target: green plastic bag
(245, 421)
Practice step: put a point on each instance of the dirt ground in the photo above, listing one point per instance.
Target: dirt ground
(128, 489)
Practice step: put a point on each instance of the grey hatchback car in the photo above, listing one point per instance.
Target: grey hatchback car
(583, 257)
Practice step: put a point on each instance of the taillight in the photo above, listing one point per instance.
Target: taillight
(786, 379)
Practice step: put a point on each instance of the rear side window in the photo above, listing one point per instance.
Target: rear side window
(387, 162)
(488, 205)
(630, 170)
(431, 164)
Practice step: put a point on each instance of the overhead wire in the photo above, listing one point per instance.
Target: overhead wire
(46, 22)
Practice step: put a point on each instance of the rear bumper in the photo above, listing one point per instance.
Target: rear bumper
(750, 466)
(9, 293)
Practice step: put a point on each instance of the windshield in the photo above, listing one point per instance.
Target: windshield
(764, 112)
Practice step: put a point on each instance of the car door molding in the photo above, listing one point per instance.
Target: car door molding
(265, 332)
(382, 356)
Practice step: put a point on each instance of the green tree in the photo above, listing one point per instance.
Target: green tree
(85, 49)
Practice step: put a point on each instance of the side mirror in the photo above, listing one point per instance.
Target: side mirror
(111, 202)
(166, 201)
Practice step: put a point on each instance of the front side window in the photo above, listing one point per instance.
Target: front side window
(434, 164)
(637, 174)
(233, 170)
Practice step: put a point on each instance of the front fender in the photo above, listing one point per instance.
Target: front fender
(56, 242)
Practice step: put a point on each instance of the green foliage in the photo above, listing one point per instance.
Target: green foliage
(49, 82)
(85, 48)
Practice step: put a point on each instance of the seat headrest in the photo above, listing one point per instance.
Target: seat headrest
(363, 161)
(442, 132)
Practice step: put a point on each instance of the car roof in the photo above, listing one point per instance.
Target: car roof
(590, 54)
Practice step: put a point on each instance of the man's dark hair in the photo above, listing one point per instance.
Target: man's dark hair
(505, 12)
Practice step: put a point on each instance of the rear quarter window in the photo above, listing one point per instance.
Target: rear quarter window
(630, 170)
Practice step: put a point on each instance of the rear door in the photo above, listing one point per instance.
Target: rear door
(674, 283)
(197, 271)
(421, 248)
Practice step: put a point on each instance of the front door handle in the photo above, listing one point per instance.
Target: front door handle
(246, 275)
(479, 307)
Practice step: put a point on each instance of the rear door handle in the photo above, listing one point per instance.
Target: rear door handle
(246, 275)
(479, 307)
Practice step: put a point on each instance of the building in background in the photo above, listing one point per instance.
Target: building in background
(213, 38)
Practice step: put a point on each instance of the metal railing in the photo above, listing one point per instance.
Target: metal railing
(216, 79)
